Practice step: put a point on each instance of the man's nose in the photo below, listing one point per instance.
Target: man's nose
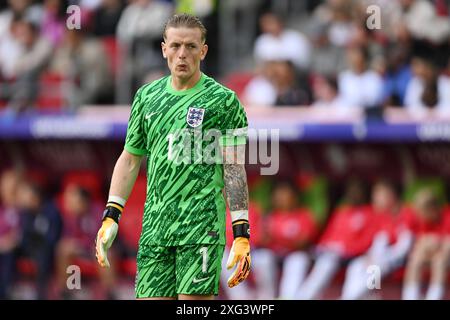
(182, 52)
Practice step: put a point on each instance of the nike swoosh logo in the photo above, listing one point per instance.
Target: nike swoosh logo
(195, 280)
(149, 115)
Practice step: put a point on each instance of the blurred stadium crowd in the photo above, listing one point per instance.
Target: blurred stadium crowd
(306, 239)
(294, 53)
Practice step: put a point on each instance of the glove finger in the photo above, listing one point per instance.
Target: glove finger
(232, 260)
(101, 253)
(103, 256)
(107, 237)
(240, 273)
(98, 240)
(232, 280)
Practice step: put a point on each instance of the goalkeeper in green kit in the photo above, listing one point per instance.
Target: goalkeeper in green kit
(183, 228)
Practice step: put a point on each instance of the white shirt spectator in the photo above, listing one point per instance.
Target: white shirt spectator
(290, 45)
(423, 22)
(146, 20)
(260, 92)
(11, 52)
(360, 90)
(413, 97)
(5, 22)
(340, 33)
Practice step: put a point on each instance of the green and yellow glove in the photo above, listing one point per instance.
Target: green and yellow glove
(239, 254)
(107, 234)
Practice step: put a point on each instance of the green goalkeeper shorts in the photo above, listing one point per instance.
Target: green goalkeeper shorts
(169, 271)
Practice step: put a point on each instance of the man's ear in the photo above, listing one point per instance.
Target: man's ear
(204, 52)
(163, 49)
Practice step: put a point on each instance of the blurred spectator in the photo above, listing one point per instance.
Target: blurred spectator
(427, 89)
(348, 234)
(37, 50)
(292, 89)
(423, 22)
(81, 221)
(10, 52)
(364, 38)
(278, 84)
(431, 248)
(139, 32)
(358, 85)
(54, 20)
(143, 20)
(260, 91)
(290, 229)
(41, 228)
(278, 43)
(106, 17)
(34, 55)
(340, 24)
(391, 244)
(82, 63)
(397, 76)
(326, 93)
(19, 8)
(331, 29)
(9, 229)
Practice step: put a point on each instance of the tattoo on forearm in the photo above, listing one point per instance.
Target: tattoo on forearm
(236, 186)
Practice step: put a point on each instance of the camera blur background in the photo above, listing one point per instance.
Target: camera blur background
(359, 206)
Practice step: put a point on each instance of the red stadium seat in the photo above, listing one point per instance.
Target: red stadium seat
(26, 267)
(130, 224)
(111, 47)
(51, 95)
(128, 267)
(88, 267)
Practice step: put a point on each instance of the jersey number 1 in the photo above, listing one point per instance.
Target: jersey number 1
(204, 253)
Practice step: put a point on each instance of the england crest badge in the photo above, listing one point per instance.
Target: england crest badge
(194, 116)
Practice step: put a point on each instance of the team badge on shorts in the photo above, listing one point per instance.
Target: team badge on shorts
(194, 116)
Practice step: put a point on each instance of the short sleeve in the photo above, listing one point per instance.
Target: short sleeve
(135, 141)
(235, 125)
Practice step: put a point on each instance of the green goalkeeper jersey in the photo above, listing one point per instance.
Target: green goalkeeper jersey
(180, 133)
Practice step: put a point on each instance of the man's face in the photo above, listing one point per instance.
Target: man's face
(184, 50)
(383, 198)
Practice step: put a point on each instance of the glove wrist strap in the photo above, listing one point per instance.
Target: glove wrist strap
(241, 230)
(112, 212)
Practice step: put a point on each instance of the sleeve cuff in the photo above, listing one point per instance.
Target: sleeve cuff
(135, 151)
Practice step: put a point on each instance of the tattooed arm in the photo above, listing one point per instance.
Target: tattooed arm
(235, 177)
(236, 191)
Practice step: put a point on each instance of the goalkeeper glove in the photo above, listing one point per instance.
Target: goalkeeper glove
(107, 234)
(239, 254)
